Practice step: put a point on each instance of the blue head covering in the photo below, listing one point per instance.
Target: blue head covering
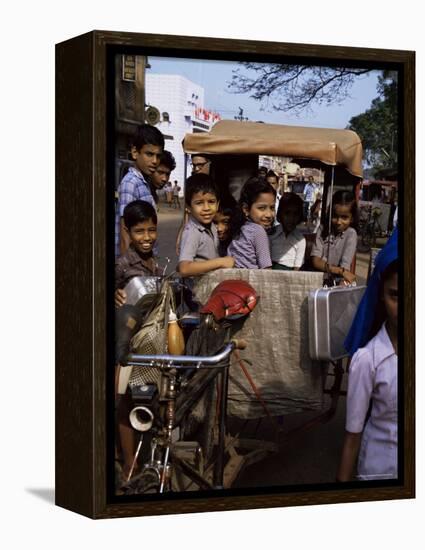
(362, 324)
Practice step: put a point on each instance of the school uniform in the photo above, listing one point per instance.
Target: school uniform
(342, 247)
(133, 187)
(251, 249)
(132, 264)
(199, 242)
(287, 250)
(372, 379)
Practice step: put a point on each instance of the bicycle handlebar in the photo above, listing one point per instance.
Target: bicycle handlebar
(184, 361)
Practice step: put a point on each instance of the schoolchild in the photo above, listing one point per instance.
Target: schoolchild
(333, 251)
(250, 245)
(287, 243)
(140, 222)
(147, 147)
(371, 437)
(199, 240)
(161, 176)
(222, 221)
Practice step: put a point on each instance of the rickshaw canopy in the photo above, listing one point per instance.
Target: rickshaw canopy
(333, 147)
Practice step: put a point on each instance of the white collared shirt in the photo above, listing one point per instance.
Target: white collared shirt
(289, 249)
(372, 378)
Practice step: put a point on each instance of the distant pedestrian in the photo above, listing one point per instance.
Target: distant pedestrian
(310, 191)
(169, 194)
(176, 191)
(315, 213)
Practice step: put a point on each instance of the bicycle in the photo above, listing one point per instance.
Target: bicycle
(369, 227)
(175, 464)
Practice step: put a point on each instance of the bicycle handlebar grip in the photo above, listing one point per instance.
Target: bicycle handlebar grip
(240, 343)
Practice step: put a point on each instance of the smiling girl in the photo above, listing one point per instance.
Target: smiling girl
(333, 252)
(256, 211)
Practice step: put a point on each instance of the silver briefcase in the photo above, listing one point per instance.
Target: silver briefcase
(330, 314)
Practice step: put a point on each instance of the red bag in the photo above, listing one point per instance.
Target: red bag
(230, 300)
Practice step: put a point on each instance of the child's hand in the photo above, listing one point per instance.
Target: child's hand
(227, 262)
(348, 276)
(120, 297)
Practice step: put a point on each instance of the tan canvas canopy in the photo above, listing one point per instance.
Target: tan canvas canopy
(330, 146)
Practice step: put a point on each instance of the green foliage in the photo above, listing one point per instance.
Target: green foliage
(377, 127)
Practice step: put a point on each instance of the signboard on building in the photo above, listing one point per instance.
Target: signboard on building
(129, 68)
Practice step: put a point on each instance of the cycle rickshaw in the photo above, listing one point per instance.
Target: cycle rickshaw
(291, 344)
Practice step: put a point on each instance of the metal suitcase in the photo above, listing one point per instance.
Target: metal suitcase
(330, 314)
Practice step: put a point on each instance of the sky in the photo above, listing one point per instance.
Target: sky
(214, 76)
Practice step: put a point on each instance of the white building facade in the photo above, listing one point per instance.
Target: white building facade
(181, 104)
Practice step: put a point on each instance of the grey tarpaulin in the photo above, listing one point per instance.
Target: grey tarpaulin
(277, 335)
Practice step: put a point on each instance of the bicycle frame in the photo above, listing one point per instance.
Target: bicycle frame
(178, 403)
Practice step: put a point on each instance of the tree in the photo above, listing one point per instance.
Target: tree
(294, 87)
(377, 127)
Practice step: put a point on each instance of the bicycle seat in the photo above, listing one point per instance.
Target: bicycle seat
(231, 300)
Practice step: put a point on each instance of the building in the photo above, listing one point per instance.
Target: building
(182, 111)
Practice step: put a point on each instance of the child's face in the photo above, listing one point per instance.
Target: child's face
(390, 297)
(143, 236)
(289, 218)
(161, 176)
(147, 158)
(262, 210)
(222, 223)
(341, 217)
(203, 207)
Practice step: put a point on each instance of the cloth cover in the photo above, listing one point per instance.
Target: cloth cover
(277, 335)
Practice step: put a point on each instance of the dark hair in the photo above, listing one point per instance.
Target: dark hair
(343, 198)
(250, 192)
(262, 169)
(203, 155)
(199, 183)
(138, 212)
(147, 135)
(380, 314)
(289, 199)
(227, 206)
(271, 174)
(167, 160)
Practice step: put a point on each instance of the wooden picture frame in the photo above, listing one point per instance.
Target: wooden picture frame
(82, 288)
